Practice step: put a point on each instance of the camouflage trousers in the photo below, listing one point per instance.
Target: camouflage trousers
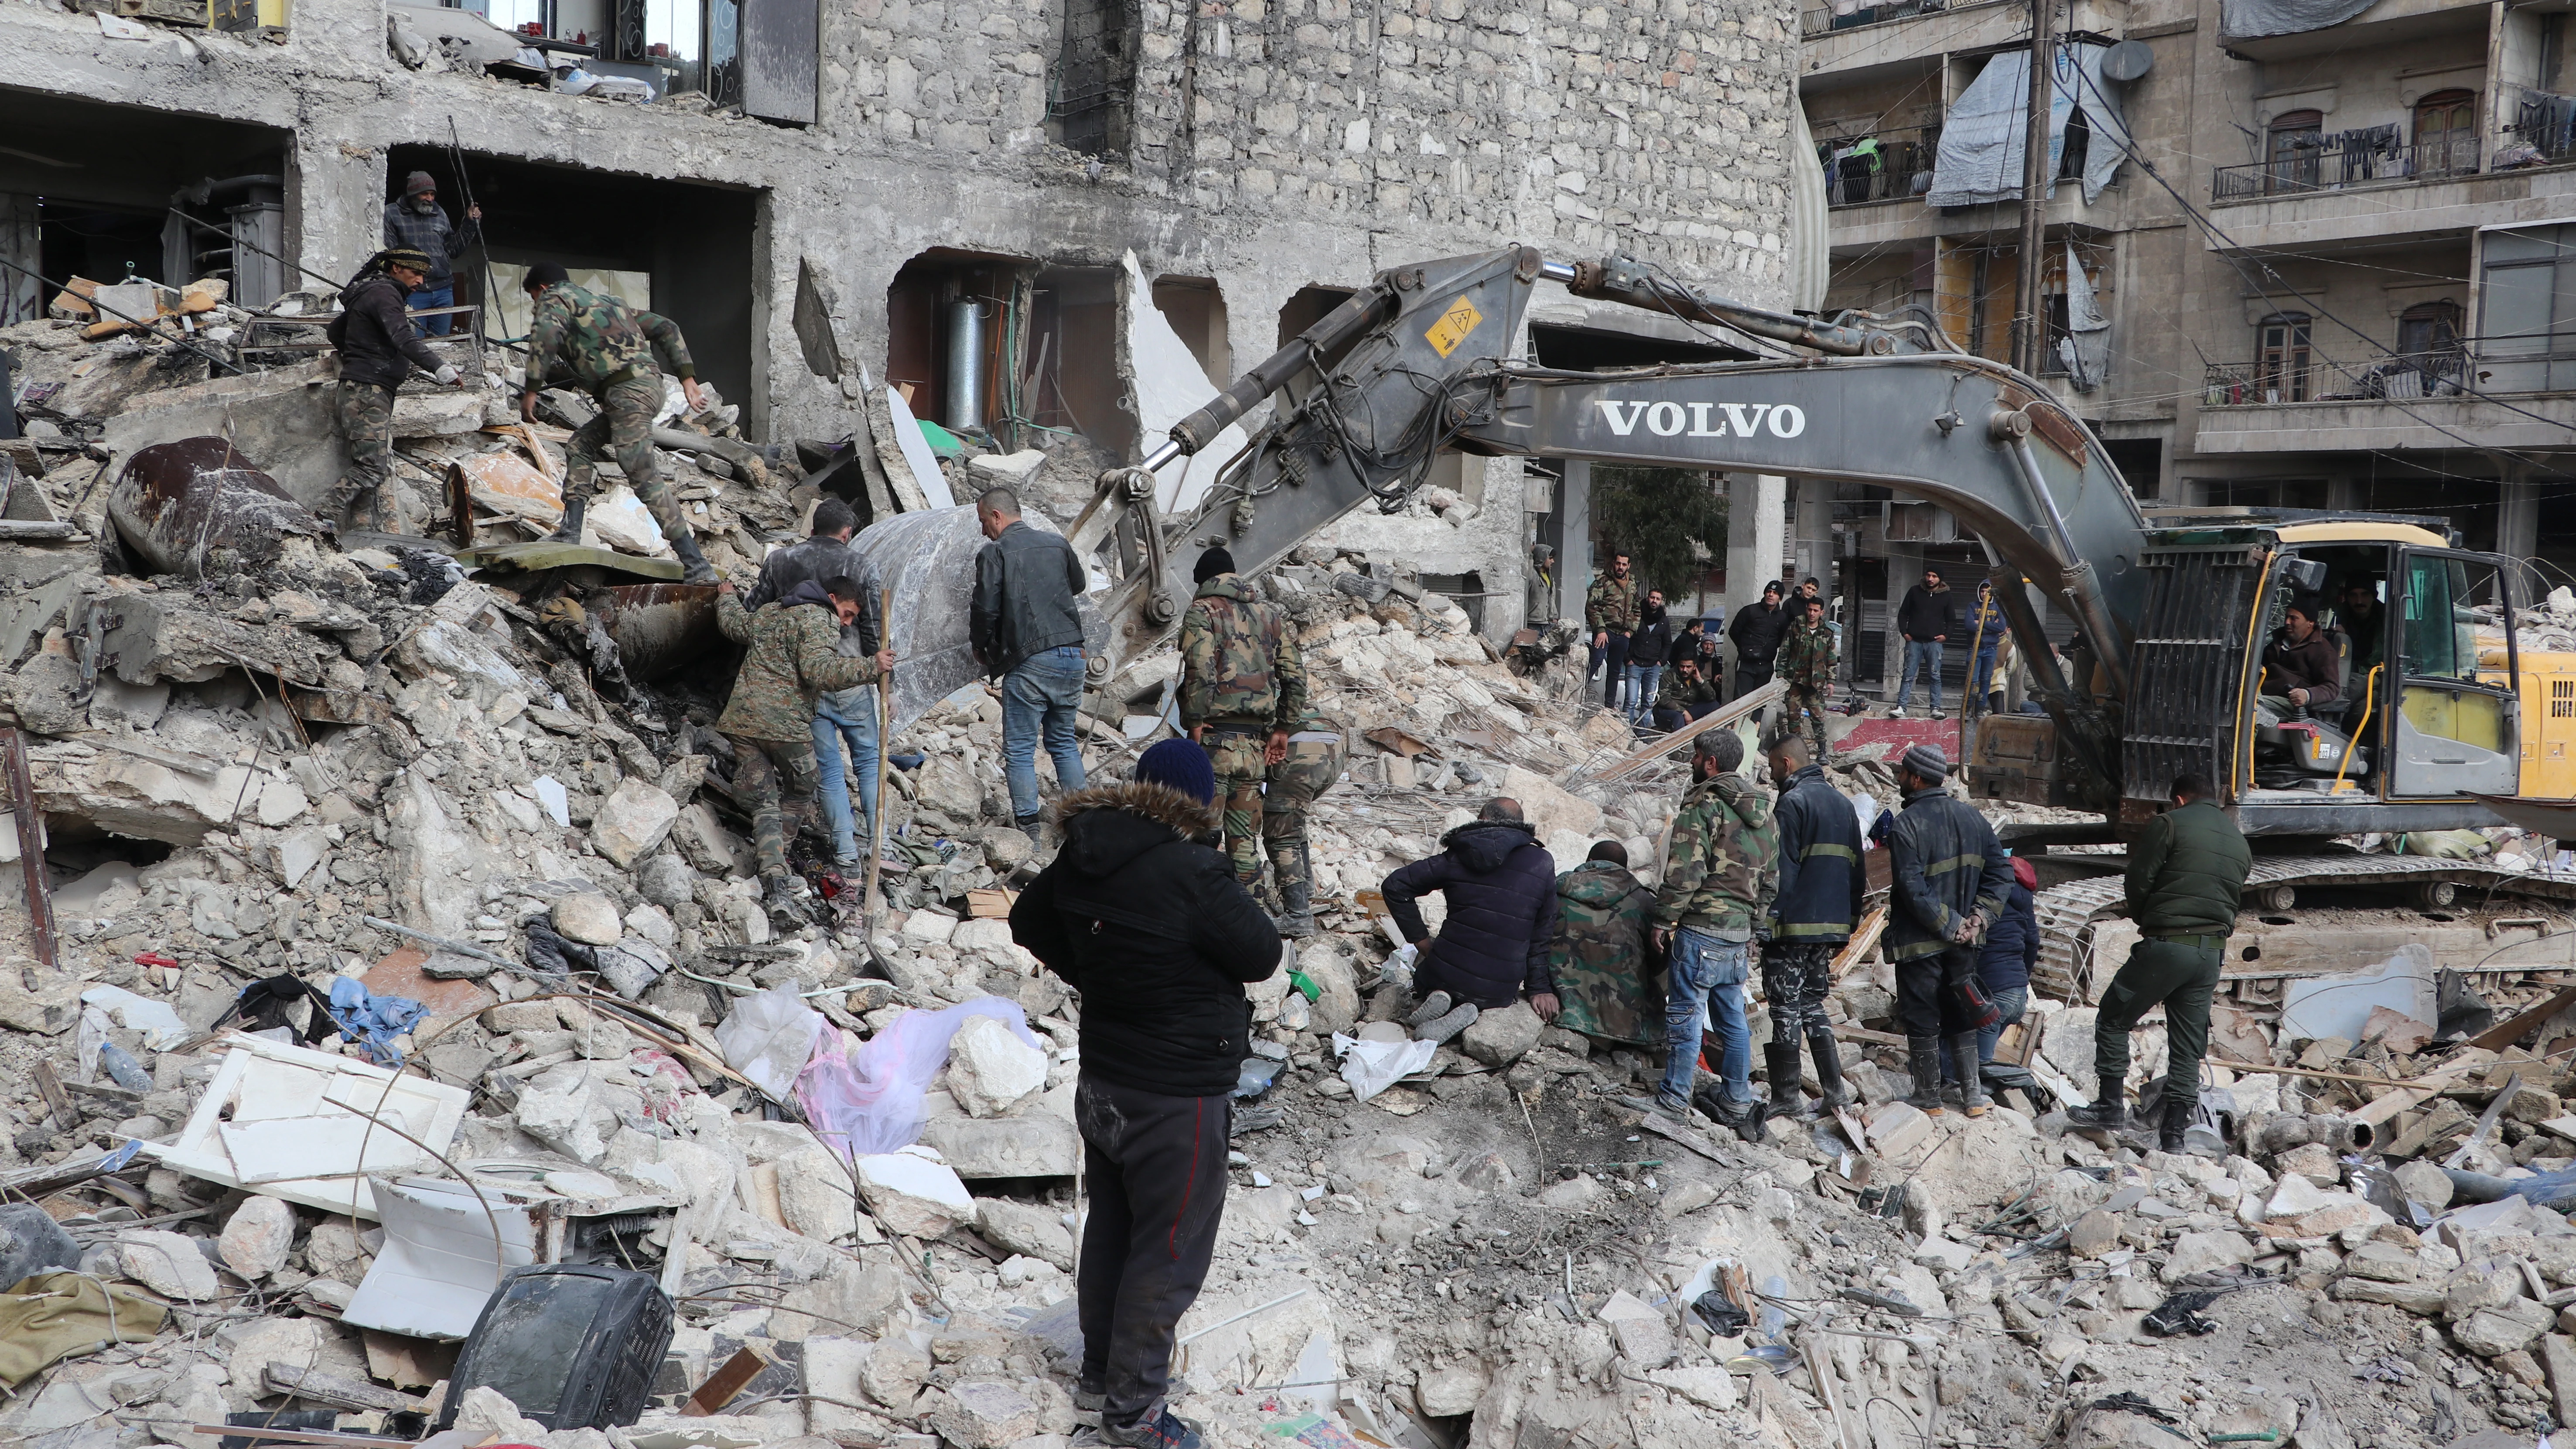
(1803, 710)
(1313, 764)
(624, 431)
(776, 778)
(1237, 759)
(1794, 982)
(364, 413)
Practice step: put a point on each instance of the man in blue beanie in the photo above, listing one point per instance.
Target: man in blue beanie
(1146, 920)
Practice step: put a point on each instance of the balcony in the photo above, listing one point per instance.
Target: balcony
(2273, 382)
(1884, 171)
(1826, 19)
(2415, 401)
(2345, 162)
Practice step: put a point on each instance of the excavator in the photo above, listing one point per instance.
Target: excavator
(2437, 712)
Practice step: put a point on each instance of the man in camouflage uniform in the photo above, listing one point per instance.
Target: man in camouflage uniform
(1610, 614)
(1599, 956)
(1242, 686)
(1717, 885)
(1807, 663)
(1309, 766)
(599, 345)
(794, 655)
(1687, 694)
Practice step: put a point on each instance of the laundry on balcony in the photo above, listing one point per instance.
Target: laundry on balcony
(1980, 158)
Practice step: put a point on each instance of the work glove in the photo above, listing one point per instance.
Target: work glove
(446, 374)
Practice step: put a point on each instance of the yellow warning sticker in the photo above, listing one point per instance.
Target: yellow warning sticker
(1453, 326)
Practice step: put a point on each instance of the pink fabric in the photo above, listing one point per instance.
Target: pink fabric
(866, 1097)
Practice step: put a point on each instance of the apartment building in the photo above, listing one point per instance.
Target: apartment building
(2326, 236)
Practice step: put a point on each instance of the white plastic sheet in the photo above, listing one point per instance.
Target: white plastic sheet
(2086, 349)
(769, 1036)
(866, 1099)
(1373, 1066)
(1981, 144)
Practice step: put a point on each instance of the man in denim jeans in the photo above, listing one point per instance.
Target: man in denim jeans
(1027, 629)
(1717, 885)
(846, 714)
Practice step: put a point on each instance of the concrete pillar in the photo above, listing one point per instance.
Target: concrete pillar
(1574, 552)
(2344, 493)
(2517, 517)
(335, 205)
(1814, 522)
(21, 299)
(1757, 505)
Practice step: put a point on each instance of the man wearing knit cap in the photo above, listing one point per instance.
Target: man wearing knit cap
(1243, 688)
(418, 223)
(1718, 881)
(1949, 878)
(379, 350)
(1149, 924)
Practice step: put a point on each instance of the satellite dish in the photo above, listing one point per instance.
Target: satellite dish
(2127, 61)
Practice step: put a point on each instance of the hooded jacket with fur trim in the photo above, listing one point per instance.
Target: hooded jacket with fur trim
(1152, 928)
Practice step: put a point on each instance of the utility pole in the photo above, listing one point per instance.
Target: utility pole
(2030, 303)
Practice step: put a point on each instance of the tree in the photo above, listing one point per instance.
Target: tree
(1654, 515)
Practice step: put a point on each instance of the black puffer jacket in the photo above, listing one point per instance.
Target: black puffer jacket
(1501, 885)
(377, 341)
(1150, 926)
(1944, 863)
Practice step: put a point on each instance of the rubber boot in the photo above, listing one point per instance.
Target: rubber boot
(1747, 1119)
(1972, 1085)
(1829, 1070)
(1780, 1058)
(699, 570)
(1297, 921)
(1924, 1054)
(569, 531)
(2108, 1112)
(2169, 1132)
(1030, 826)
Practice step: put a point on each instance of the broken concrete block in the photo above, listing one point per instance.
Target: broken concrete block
(2094, 1234)
(2423, 1298)
(1701, 1384)
(912, 1196)
(1643, 1335)
(256, 1343)
(2424, 1182)
(1032, 1144)
(2504, 1328)
(815, 1196)
(2206, 1253)
(2384, 1262)
(894, 1372)
(168, 1264)
(832, 1368)
(1025, 1228)
(1896, 1129)
(257, 1236)
(634, 818)
(568, 1122)
(1500, 1038)
(1445, 1393)
(984, 934)
(990, 1070)
(666, 879)
(48, 1010)
(2468, 1291)
(1007, 468)
(1337, 1008)
(985, 1416)
(587, 917)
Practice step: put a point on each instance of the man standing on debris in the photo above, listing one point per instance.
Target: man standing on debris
(1927, 618)
(378, 351)
(2186, 877)
(1599, 960)
(1808, 660)
(1649, 646)
(1717, 886)
(597, 344)
(1156, 933)
(1756, 634)
(1812, 918)
(1027, 630)
(1310, 765)
(1493, 948)
(794, 657)
(846, 714)
(1538, 606)
(1609, 612)
(418, 223)
(1949, 880)
(1243, 686)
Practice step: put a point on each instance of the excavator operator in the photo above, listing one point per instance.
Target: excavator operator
(2302, 664)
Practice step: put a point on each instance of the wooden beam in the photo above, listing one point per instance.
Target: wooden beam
(2505, 1033)
(1724, 715)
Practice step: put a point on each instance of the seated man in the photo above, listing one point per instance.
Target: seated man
(1687, 694)
(2302, 664)
(2358, 616)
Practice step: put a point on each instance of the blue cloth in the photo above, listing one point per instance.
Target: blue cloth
(850, 715)
(1706, 975)
(433, 296)
(1643, 681)
(1182, 765)
(1039, 697)
(1925, 655)
(373, 1020)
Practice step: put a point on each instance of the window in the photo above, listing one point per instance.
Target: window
(2446, 134)
(2291, 148)
(2281, 357)
(2527, 309)
(2439, 637)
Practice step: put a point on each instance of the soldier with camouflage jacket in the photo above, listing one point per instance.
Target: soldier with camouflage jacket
(598, 345)
(1807, 663)
(1717, 885)
(1610, 609)
(1242, 686)
(1604, 985)
(794, 656)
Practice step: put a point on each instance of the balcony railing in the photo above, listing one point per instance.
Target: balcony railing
(1857, 172)
(1825, 19)
(2543, 131)
(2271, 382)
(2339, 163)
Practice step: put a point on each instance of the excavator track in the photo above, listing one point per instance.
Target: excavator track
(2068, 912)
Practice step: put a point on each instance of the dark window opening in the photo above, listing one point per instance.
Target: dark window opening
(2291, 150)
(2140, 461)
(1091, 87)
(1008, 353)
(2428, 333)
(1466, 590)
(2282, 358)
(2446, 133)
(2079, 141)
(945, 316)
(1310, 306)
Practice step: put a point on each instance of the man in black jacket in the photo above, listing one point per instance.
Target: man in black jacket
(1812, 916)
(1756, 634)
(378, 350)
(844, 715)
(1927, 618)
(1027, 630)
(1493, 948)
(1147, 922)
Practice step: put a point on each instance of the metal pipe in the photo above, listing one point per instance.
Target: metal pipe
(2083, 586)
(1356, 315)
(1557, 272)
(1626, 280)
(966, 318)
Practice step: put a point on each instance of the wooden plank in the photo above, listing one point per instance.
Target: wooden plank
(1863, 941)
(31, 846)
(66, 1116)
(2505, 1033)
(726, 1382)
(1719, 718)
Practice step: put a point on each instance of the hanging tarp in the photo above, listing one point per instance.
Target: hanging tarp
(2086, 349)
(2247, 19)
(1981, 142)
